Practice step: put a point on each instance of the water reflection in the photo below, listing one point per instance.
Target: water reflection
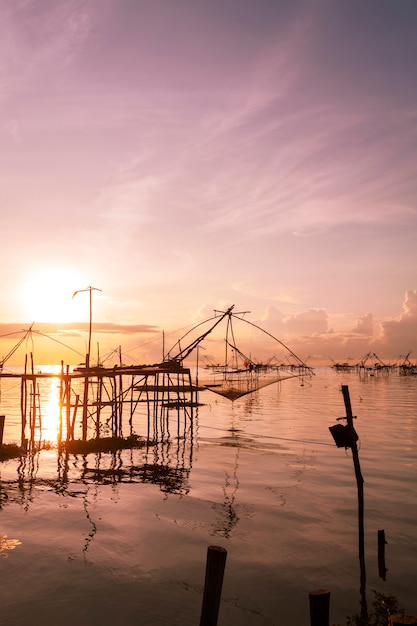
(93, 530)
(50, 418)
(167, 464)
(226, 511)
(241, 457)
(227, 517)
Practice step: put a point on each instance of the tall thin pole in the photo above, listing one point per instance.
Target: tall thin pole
(359, 482)
(87, 360)
(91, 323)
(90, 326)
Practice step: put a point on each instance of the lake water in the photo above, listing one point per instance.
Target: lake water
(122, 538)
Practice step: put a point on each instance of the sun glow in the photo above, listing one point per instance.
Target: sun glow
(47, 297)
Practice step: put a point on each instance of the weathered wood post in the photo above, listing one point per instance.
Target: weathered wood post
(382, 570)
(85, 401)
(356, 464)
(74, 416)
(2, 418)
(61, 401)
(216, 561)
(98, 403)
(319, 607)
(23, 405)
(68, 403)
(120, 400)
(345, 436)
(359, 481)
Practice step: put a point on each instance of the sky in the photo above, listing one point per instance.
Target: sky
(182, 156)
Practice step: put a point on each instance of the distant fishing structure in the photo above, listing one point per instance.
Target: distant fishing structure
(371, 364)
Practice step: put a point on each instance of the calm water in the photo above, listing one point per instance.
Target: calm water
(122, 538)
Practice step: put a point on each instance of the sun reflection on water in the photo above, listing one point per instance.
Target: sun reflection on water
(7, 544)
(50, 410)
(45, 404)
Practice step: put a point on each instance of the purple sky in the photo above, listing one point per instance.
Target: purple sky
(183, 155)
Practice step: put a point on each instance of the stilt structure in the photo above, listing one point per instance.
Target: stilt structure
(99, 402)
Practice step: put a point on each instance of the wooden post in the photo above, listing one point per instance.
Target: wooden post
(74, 416)
(68, 403)
(359, 482)
(120, 400)
(99, 398)
(2, 418)
(356, 464)
(115, 406)
(216, 561)
(132, 387)
(61, 400)
(382, 570)
(23, 405)
(319, 607)
(85, 402)
(33, 404)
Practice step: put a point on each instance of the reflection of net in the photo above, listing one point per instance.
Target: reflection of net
(238, 384)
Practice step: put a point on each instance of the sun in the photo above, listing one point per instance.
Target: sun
(47, 296)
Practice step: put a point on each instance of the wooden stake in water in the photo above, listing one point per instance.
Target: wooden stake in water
(356, 464)
(2, 418)
(359, 482)
(382, 570)
(216, 561)
(319, 600)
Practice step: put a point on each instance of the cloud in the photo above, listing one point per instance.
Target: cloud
(311, 322)
(128, 204)
(73, 328)
(400, 334)
(365, 325)
(62, 341)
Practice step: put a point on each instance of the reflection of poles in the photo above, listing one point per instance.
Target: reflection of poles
(359, 481)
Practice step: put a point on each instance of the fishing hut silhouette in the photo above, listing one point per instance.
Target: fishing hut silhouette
(153, 400)
(99, 401)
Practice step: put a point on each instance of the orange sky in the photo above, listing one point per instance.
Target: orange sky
(185, 156)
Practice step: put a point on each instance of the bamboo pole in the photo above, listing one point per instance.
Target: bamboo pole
(33, 401)
(99, 398)
(85, 406)
(23, 403)
(61, 400)
(68, 404)
(132, 409)
(359, 482)
(120, 422)
(2, 418)
(38, 396)
(74, 415)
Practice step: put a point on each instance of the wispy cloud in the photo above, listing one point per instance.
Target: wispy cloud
(47, 37)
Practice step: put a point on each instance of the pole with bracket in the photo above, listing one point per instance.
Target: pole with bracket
(352, 437)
